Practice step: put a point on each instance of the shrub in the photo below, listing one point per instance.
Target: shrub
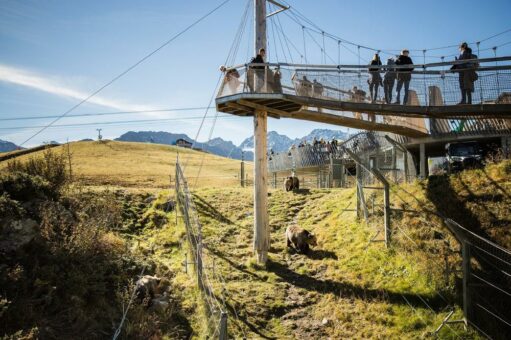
(51, 167)
(24, 187)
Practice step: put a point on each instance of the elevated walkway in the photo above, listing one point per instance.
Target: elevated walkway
(339, 95)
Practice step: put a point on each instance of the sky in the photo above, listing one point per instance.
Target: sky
(55, 53)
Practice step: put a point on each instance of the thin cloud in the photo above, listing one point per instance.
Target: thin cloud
(21, 77)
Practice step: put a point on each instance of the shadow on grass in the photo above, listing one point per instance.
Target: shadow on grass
(321, 254)
(347, 289)
(206, 209)
(447, 202)
(302, 191)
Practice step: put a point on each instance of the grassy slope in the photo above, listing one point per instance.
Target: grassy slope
(139, 165)
(361, 289)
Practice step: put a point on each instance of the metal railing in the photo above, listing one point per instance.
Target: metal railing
(432, 85)
(493, 84)
(215, 306)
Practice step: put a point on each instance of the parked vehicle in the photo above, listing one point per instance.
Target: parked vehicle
(463, 155)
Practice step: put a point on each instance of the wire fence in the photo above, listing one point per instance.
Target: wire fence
(214, 303)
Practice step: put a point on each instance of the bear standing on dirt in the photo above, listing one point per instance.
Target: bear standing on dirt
(300, 239)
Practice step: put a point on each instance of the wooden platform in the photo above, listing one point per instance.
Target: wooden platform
(290, 106)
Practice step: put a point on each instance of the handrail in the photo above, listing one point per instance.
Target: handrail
(340, 66)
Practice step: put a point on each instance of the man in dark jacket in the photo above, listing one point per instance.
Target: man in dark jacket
(404, 75)
(255, 76)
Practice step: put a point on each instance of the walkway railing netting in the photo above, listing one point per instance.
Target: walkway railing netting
(431, 85)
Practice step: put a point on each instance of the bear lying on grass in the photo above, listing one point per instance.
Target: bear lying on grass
(300, 239)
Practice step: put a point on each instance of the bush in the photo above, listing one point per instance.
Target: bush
(51, 167)
(24, 187)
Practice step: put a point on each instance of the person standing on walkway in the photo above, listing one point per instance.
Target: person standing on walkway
(467, 73)
(255, 76)
(389, 79)
(374, 77)
(404, 75)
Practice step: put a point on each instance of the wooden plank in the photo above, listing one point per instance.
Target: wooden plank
(355, 123)
(255, 106)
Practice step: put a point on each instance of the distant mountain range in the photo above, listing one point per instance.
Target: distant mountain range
(6, 146)
(279, 143)
(218, 146)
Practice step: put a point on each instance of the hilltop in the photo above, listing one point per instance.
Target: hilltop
(143, 165)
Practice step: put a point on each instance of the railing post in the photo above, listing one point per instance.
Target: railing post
(223, 327)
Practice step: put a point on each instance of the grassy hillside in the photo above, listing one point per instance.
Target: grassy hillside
(139, 165)
(346, 288)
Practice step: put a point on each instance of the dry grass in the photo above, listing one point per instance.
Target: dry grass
(144, 166)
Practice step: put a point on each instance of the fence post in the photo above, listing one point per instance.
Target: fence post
(199, 258)
(467, 303)
(386, 212)
(223, 327)
(242, 176)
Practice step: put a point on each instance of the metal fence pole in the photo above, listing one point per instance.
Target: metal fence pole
(386, 212)
(467, 303)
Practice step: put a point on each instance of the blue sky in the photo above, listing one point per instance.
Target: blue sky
(54, 53)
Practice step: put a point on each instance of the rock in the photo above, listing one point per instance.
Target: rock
(16, 234)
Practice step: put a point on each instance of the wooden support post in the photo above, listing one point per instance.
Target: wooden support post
(467, 305)
(261, 230)
(422, 160)
(223, 327)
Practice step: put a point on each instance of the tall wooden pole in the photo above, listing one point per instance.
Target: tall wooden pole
(261, 229)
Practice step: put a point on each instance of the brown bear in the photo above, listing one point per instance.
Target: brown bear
(296, 183)
(300, 239)
(147, 287)
(288, 184)
(292, 183)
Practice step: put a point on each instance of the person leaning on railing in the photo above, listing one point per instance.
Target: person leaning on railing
(467, 73)
(404, 76)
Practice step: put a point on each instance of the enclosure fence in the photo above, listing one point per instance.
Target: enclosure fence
(204, 265)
